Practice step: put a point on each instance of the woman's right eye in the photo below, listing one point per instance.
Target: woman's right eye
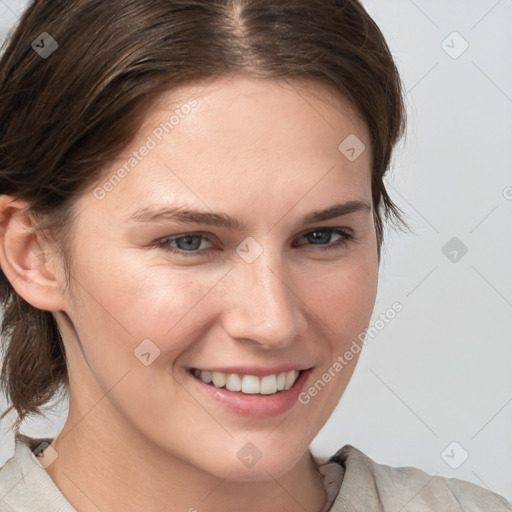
(191, 242)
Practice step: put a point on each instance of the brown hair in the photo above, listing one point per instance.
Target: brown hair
(64, 117)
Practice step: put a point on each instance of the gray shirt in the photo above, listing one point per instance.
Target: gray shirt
(354, 483)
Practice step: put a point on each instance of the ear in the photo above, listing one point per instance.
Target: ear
(24, 257)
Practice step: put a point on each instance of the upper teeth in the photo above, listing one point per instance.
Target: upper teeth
(249, 384)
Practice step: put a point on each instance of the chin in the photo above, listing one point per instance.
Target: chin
(263, 460)
(262, 471)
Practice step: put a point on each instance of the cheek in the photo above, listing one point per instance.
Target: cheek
(343, 305)
(134, 321)
(343, 299)
(119, 303)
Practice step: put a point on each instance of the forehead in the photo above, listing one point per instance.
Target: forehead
(238, 140)
(246, 105)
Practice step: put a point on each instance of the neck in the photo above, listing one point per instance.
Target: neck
(131, 473)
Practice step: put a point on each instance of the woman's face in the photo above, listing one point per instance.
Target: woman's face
(161, 298)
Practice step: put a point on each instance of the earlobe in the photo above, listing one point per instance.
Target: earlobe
(24, 257)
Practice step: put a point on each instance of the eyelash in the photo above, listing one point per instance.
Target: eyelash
(340, 244)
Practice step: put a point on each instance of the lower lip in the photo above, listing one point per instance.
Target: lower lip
(254, 404)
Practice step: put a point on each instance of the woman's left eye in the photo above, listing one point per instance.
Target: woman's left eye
(321, 234)
(190, 243)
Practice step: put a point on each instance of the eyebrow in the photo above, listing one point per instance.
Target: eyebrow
(186, 215)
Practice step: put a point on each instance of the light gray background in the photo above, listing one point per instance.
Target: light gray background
(441, 370)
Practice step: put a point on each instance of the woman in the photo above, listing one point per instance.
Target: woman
(192, 212)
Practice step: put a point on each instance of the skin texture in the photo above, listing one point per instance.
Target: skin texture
(144, 437)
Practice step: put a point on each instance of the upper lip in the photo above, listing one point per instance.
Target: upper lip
(258, 371)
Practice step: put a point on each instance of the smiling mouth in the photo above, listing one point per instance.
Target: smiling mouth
(249, 384)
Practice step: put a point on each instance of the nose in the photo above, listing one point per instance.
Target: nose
(261, 307)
